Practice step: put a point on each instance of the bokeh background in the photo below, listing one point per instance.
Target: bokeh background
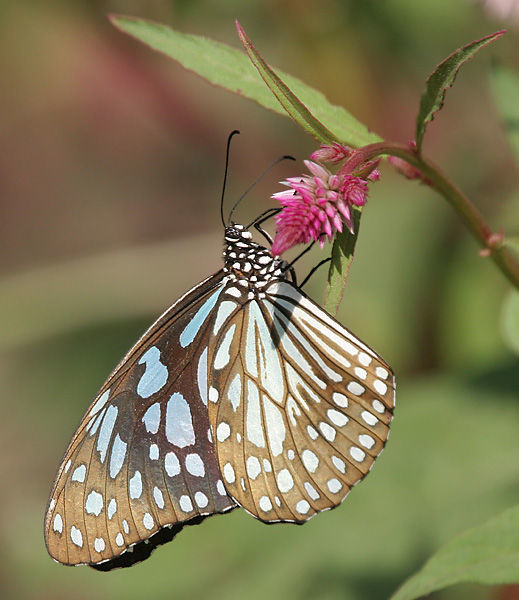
(111, 161)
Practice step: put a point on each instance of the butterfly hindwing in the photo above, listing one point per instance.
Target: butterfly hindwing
(304, 408)
(143, 456)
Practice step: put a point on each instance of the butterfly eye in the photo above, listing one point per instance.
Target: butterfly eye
(244, 393)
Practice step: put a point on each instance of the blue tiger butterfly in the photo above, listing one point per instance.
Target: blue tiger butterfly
(244, 393)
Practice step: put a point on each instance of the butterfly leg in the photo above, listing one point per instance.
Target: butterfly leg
(261, 219)
(314, 269)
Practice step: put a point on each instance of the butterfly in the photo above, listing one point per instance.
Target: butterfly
(244, 393)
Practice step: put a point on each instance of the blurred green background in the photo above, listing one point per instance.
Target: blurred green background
(111, 160)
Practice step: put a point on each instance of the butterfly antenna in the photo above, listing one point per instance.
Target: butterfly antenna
(257, 180)
(227, 152)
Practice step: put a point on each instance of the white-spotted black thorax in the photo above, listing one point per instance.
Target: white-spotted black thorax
(250, 262)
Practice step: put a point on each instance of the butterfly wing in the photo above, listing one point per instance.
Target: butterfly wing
(304, 406)
(142, 462)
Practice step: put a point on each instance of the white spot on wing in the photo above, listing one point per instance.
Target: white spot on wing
(254, 425)
(364, 359)
(147, 521)
(228, 473)
(158, 497)
(293, 410)
(57, 524)
(213, 394)
(179, 423)
(223, 431)
(378, 406)
(105, 431)
(94, 503)
(275, 426)
(334, 485)
(265, 504)
(155, 375)
(185, 504)
(99, 544)
(151, 418)
(284, 481)
(360, 372)
(154, 452)
(223, 357)
(339, 464)
(367, 441)
(171, 464)
(357, 454)
(135, 485)
(101, 401)
(225, 309)
(310, 460)
(117, 456)
(312, 432)
(112, 508)
(340, 399)
(328, 431)
(234, 392)
(76, 536)
(253, 467)
(302, 507)
(201, 376)
(201, 500)
(337, 418)
(79, 474)
(380, 386)
(355, 388)
(232, 291)
(194, 326)
(381, 372)
(195, 465)
(311, 491)
(260, 349)
(369, 418)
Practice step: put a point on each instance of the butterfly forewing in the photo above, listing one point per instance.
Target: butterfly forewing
(143, 456)
(303, 410)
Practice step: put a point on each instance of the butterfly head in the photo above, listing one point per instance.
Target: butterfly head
(248, 261)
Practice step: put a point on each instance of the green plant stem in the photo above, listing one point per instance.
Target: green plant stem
(502, 256)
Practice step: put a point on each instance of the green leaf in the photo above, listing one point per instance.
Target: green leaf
(488, 554)
(510, 320)
(288, 100)
(442, 79)
(231, 69)
(342, 258)
(505, 86)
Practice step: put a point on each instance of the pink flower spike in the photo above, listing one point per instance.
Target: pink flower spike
(318, 205)
(354, 190)
(333, 153)
(317, 170)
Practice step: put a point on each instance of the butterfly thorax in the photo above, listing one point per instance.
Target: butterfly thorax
(249, 263)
